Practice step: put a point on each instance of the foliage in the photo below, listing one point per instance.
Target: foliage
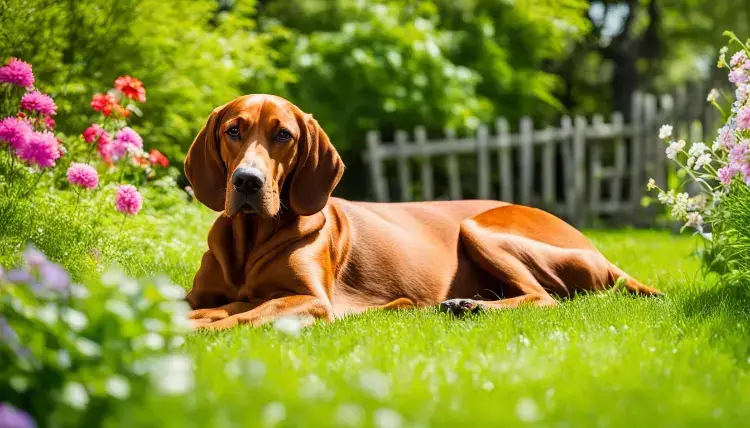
(71, 352)
(722, 172)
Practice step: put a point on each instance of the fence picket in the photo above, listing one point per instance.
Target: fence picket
(483, 163)
(579, 171)
(549, 171)
(452, 168)
(428, 188)
(527, 160)
(595, 166)
(503, 160)
(402, 164)
(615, 189)
(379, 184)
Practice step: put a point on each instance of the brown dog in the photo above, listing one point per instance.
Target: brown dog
(283, 246)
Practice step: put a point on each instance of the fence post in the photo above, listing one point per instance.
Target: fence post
(566, 142)
(483, 163)
(650, 137)
(618, 128)
(595, 166)
(451, 166)
(428, 188)
(549, 169)
(579, 170)
(503, 160)
(379, 184)
(402, 165)
(527, 160)
(636, 153)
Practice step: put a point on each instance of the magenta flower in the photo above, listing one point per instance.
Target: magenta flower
(95, 134)
(10, 417)
(125, 140)
(743, 118)
(17, 72)
(39, 102)
(42, 149)
(15, 132)
(727, 173)
(128, 200)
(83, 175)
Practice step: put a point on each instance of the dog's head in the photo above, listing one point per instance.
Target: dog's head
(254, 146)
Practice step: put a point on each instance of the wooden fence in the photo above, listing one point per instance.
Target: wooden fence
(581, 170)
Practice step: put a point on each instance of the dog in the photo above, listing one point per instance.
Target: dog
(283, 246)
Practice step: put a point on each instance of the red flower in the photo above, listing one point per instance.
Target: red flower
(157, 158)
(131, 88)
(49, 123)
(104, 103)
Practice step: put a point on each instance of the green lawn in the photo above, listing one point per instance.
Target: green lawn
(598, 360)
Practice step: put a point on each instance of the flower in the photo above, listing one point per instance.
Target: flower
(10, 417)
(104, 103)
(131, 88)
(128, 200)
(83, 175)
(743, 118)
(76, 320)
(54, 277)
(739, 77)
(95, 134)
(17, 72)
(15, 132)
(651, 184)
(738, 153)
(75, 395)
(713, 95)
(41, 149)
(697, 149)
(701, 161)
(727, 137)
(666, 198)
(727, 173)
(39, 102)
(387, 418)
(695, 220)
(674, 148)
(172, 374)
(125, 140)
(665, 132)
(48, 122)
(157, 158)
(738, 59)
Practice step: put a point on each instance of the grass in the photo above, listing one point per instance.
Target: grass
(598, 360)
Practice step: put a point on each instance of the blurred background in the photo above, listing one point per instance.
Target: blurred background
(384, 66)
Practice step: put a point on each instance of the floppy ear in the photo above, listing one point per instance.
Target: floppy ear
(319, 169)
(204, 168)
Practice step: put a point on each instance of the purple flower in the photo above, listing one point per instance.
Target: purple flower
(17, 276)
(42, 149)
(54, 277)
(738, 59)
(10, 417)
(739, 77)
(15, 131)
(743, 118)
(727, 173)
(17, 72)
(83, 175)
(39, 102)
(125, 140)
(33, 257)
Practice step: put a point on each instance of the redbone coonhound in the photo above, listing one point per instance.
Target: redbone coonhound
(283, 246)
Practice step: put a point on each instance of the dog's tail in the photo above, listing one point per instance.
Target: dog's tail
(620, 278)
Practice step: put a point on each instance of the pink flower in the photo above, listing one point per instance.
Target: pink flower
(15, 132)
(738, 59)
(39, 102)
(41, 149)
(125, 140)
(745, 169)
(738, 153)
(17, 72)
(83, 175)
(739, 77)
(727, 173)
(49, 123)
(128, 200)
(743, 118)
(95, 134)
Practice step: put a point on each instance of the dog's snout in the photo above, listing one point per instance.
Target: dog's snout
(248, 180)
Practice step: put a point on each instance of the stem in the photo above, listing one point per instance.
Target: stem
(124, 165)
(124, 216)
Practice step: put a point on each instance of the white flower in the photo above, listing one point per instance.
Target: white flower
(713, 95)
(75, 319)
(19, 383)
(665, 132)
(527, 410)
(75, 396)
(79, 292)
(717, 145)
(171, 291)
(129, 286)
(376, 384)
(118, 387)
(690, 162)
(87, 347)
(112, 277)
(679, 209)
(349, 415)
(674, 148)
(289, 325)
(717, 196)
(387, 418)
(694, 220)
(153, 341)
(48, 314)
(702, 161)
(697, 149)
(273, 414)
(154, 325)
(173, 374)
(651, 184)
(666, 198)
(119, 308)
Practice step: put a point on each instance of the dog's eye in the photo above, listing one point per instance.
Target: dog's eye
(282, 135)
(234, 131)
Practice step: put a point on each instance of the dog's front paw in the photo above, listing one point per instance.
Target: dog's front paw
(459, 307)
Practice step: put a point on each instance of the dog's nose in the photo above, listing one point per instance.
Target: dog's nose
(248, 180)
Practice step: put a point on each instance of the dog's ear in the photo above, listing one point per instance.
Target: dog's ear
(319, 169)
(204, 167)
